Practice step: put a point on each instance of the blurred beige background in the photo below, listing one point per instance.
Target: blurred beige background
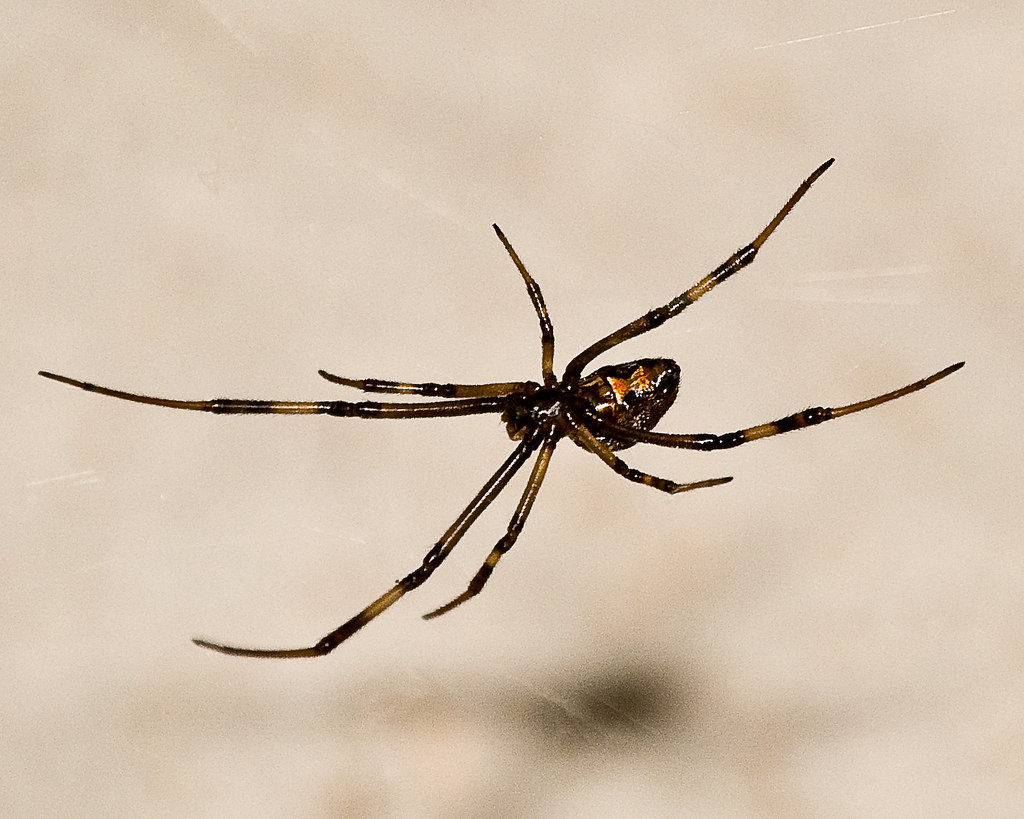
(217, 198)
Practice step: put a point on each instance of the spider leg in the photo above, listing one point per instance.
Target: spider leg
(515, 527)
(659, 315)
(348, 409)
(547, 330)
(429, 387)
(798, 420)
(585, 439)
(433, 559)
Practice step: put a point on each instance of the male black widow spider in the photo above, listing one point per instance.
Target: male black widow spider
(610, 409)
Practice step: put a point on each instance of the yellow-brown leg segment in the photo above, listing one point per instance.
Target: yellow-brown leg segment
(433, 559)
(585, 439)
(798, 420)
(515, 527)
(428, 387)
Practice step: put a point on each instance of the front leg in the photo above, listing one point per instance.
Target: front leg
(344, 409)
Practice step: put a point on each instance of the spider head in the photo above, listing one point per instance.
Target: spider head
(635, 394)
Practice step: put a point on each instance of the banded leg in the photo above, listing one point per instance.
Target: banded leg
(433, 559)
(584, 438)
(659, 315)
(798, 420)
(515, 527)
(429, 387)
(346, 409)
(547, 330)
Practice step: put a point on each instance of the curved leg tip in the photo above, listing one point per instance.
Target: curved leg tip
(235, 651)
(686, 487)
(62, 378)
(447, 607)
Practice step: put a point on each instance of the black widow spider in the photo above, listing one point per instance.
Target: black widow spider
(610, 409)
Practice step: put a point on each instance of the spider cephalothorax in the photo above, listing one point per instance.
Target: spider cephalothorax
(612, 408)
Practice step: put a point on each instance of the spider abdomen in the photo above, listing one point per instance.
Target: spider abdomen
(635, 394)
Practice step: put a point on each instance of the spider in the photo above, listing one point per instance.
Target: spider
(609, 409)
